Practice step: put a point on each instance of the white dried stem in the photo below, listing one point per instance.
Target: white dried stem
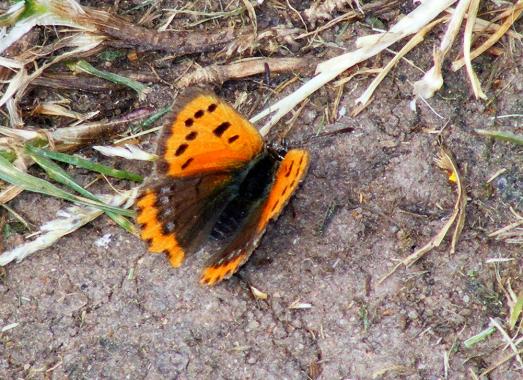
(413, 42)
(330, 69)
(433, 79)
(467, 42)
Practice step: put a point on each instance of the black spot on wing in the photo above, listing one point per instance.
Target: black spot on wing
(187, 163)
(289, 169)
(191, 136)
(220, 129)
(181, 149)
(233, 139)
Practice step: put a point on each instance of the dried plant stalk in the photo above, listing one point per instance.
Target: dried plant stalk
(433, 79)
(467, 42)
(364, 99)
(220, 73)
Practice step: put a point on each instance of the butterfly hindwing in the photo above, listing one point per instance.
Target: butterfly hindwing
(291, 172)
(205, 135)
(177, 214)
(227, 261)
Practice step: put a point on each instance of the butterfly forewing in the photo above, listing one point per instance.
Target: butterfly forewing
(206, 135)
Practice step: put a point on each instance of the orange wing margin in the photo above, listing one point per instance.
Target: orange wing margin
(205, 135)
(152, 230)
(290, 173)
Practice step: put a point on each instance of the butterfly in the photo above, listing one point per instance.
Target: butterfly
(214, 178)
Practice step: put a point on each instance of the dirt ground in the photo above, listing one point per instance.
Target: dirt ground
(96, 305)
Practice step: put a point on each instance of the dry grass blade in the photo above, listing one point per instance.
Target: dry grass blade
(364, 99)
(10, 193)
(55, 109)
(467, 42)
(446, 162)
(514, 13)
(297, 305)
(511, 233)
(252, 15)
(258, 294)
(499, 363)
(128, 151)
(67, 221)
(507, 340)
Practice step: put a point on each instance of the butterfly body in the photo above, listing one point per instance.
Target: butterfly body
(214, 178)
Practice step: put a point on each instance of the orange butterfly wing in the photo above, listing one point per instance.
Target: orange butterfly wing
(206, 135)
(176, 214)
(200, 151)
(290, 173)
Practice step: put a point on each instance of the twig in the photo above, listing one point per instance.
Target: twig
(221, 73)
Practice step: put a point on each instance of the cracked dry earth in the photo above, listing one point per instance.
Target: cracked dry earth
(86, 308)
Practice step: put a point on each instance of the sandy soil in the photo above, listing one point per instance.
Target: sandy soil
(92, 310)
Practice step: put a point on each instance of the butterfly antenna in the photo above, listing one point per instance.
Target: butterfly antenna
(311, 138)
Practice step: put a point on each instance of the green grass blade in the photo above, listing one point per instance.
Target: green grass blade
(54, 171)
(13, 175)
(86, 67)
(155, 117)
(8, 155)
(516, 311)
(501, 135)
(472, 341)
(85, 164)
